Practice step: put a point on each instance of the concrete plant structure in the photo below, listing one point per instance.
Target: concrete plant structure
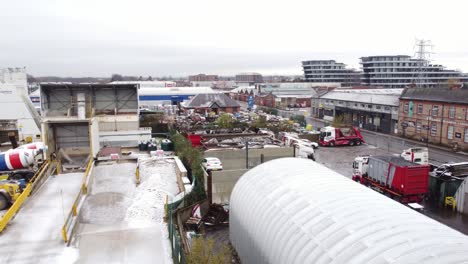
(18, 114)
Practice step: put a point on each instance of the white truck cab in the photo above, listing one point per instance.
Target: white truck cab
(419, 155)
(360, 165)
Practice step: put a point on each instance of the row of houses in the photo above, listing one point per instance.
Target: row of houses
(436, 115)
(281, 95)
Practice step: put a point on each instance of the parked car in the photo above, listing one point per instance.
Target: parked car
(212, 163)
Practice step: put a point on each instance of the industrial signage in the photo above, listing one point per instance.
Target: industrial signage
(251, 102)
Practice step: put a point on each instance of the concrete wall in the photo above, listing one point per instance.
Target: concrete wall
(234, 163)
(181, 171)
(223, 182)
(236, 159)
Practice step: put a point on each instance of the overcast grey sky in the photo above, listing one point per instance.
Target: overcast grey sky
(170, 37)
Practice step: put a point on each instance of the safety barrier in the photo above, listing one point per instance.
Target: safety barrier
(35, 181)
(68, 227)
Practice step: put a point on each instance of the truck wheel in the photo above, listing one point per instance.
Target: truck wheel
(3, 202)
(351, 143)
(358, 142)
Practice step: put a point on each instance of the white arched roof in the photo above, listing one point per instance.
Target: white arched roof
(297, 211)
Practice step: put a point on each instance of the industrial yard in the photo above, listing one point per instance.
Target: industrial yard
(128, 136)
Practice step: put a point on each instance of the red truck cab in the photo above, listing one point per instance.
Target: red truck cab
(332, 136)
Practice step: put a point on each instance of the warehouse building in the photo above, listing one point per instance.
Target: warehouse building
(286, 211)
(372, 109)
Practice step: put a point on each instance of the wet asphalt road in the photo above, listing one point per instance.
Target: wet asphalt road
(340, 159)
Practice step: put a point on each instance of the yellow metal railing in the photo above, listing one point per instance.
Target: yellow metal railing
(69, 225)
(24, 195)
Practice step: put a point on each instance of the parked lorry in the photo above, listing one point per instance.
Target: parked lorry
(333, 136)
(418, 155)
(393, 176)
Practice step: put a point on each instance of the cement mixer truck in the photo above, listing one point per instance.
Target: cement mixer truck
(16, 170)
(17, 164)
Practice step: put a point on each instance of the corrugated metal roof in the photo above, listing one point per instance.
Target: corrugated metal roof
(298, 211)
(206, 100)
(372, 96)
(437, 94)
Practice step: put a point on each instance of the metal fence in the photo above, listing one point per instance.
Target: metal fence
(178, 255)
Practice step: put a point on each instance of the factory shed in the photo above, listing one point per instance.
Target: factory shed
(298, 211)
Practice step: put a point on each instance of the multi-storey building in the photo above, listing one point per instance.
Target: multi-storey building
(321, 71)
(401, 71)
(249, 78)
(437, 115)
(203, 78)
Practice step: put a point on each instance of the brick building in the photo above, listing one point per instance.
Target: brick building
(439, 115)
(203, 78)
(268, 100)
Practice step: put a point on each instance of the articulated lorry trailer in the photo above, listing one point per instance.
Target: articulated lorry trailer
(395, 177)
(334, 136)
